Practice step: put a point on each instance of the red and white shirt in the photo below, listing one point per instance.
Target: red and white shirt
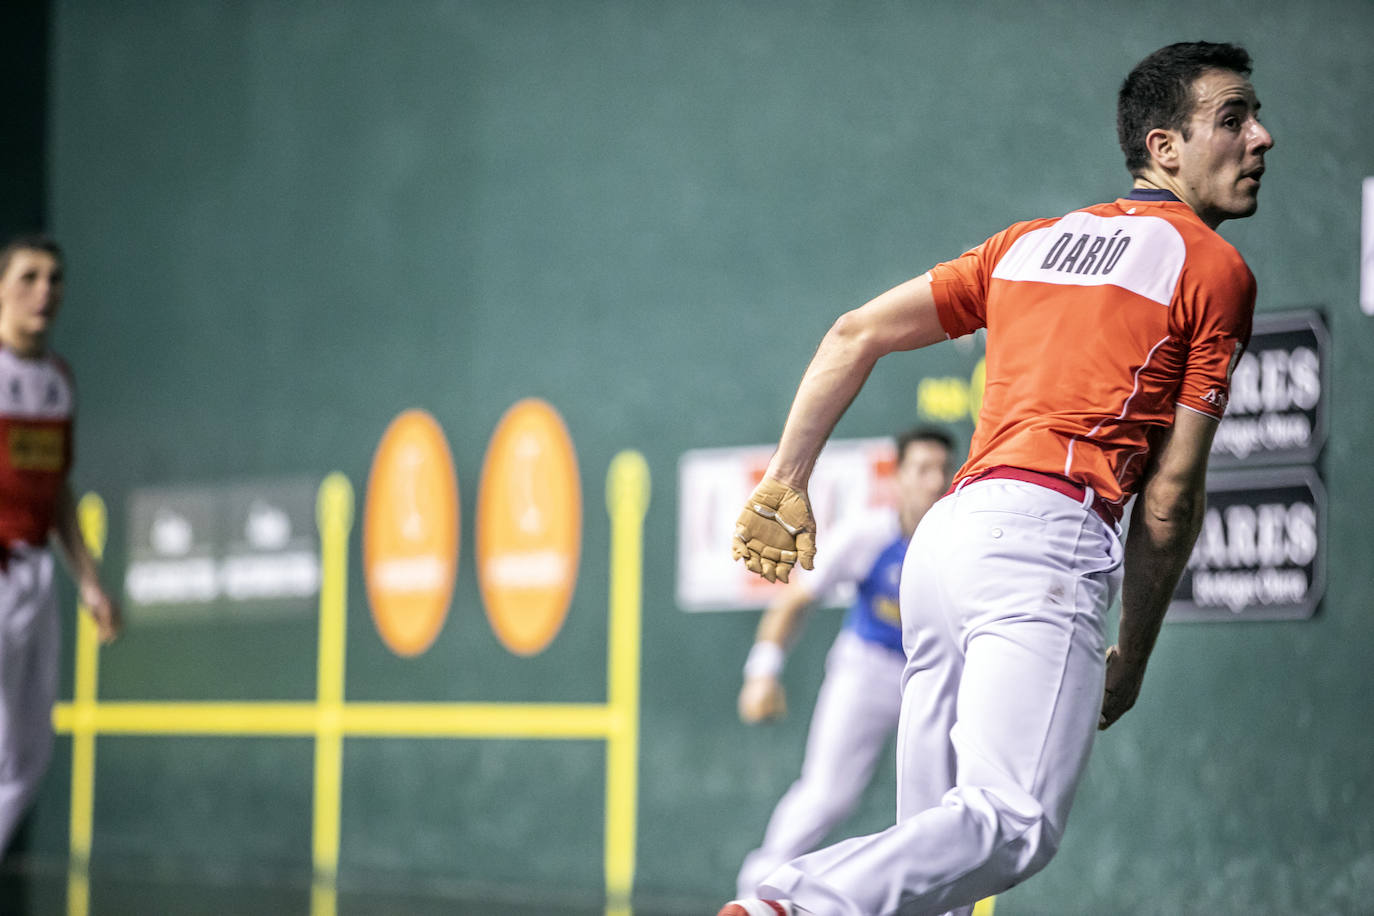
(37, 403)
(1099, 323)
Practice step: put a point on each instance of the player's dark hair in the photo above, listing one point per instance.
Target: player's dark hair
(932, 434)
(29, 241)
(1158, 93)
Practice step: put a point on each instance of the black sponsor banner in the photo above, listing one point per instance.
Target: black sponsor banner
(1278, 408)
(1261, 552)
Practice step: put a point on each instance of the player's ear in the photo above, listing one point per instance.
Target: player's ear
(1163, 146)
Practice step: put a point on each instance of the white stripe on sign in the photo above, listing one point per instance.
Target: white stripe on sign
(1367, 250)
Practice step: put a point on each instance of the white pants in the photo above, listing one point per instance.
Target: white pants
(856, 711)
(29, 645)
(1004, 593)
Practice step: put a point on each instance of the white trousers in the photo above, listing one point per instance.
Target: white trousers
(1004, 593)
(29, 646)
(856, 711)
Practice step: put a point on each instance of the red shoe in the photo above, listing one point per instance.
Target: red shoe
(752, 906)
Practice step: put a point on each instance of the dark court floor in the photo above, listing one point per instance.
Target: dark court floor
(28, 894)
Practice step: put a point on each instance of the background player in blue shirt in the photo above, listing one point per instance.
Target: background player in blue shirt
(860, 698)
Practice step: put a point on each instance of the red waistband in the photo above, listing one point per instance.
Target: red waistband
(8, 551)
(1105, 510)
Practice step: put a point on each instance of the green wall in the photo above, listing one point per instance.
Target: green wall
(288, 222)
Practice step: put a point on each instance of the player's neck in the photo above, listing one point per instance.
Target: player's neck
(26, 346)
(907, 521)
(1159, 181)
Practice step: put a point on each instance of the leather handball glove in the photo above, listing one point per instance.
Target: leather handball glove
(775, 531)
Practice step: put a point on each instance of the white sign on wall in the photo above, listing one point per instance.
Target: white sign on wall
(1367, 250)
(851, 475)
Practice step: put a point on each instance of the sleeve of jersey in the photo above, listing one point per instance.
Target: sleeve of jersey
(848, 552)
(1218, 309)
(960, 286)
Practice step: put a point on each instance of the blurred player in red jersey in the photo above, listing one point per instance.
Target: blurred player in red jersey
(1111, 336)
(37, 403)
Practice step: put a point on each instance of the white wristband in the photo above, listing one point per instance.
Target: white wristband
(765, 660)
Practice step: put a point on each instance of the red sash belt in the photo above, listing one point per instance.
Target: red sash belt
(1105, 510)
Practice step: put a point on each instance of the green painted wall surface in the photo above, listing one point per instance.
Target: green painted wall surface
(288, 222)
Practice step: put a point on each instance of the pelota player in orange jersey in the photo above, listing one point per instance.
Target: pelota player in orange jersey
(36, 408)
(1111, 335)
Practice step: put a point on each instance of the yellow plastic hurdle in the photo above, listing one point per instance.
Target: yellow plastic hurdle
(330, 718)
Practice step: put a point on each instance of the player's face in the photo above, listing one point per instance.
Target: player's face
(922, 477)
(30, 293)
(1221, 161)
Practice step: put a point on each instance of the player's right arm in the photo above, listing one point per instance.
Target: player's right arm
(762, 697)
(903, 318)
(776, 529)
(1164, 525)
(104, 610)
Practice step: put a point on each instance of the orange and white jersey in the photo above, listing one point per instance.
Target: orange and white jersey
(37, 401)
(1099, 323)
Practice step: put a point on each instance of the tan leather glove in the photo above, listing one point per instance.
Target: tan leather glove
(775, 531)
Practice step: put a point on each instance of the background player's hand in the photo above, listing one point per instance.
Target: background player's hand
(104, 611)
(762, 699)
(775, 531)
(1121, 689)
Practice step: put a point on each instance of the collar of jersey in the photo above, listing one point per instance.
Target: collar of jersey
(1157, 194)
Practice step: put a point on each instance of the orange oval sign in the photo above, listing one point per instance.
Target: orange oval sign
(529, 526)
(410, 533)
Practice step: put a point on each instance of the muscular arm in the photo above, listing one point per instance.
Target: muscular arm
(783, 619)
(1164, 526)
(762, 697)
(903, 318)
(83, 568)
(776, 530)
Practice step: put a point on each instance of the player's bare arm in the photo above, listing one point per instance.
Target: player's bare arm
(903, 318)
(1164, 526)
(762, 697)
(775, 531)
(104, 610)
